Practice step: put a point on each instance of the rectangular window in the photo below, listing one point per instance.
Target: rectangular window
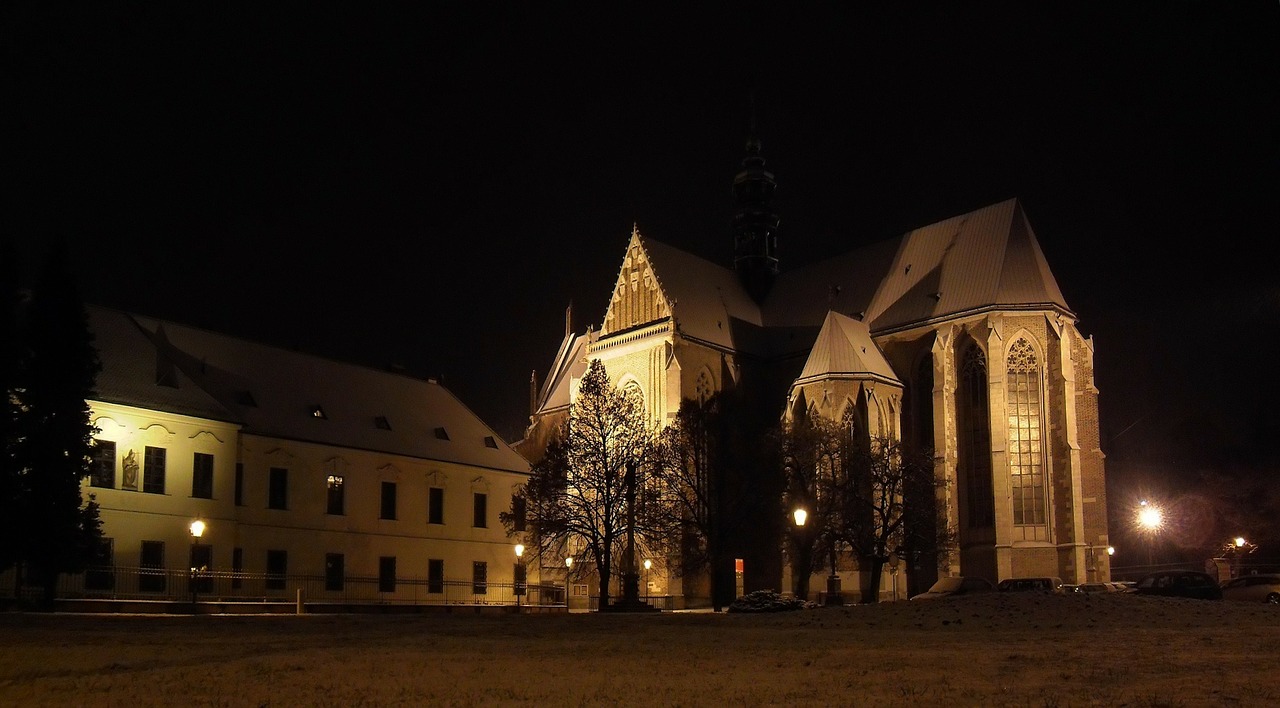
(202, 476)
(387, 574)
(518, 512)
(435, 506)
(151, 573)
(480, 578)
(101, 573)
(277, 568)
(239, 484)
(334, 572)
(335, 496)
(278, 489)
(104, 465)
(388, 501)
(479, 511)
(153, 470)
(237, 568)
(435, 575)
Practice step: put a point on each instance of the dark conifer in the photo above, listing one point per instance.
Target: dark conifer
(60, 367)
(10, 294)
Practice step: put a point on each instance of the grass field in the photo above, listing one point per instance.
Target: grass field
(992, 650)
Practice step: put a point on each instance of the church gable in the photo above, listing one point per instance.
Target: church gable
(637, 297)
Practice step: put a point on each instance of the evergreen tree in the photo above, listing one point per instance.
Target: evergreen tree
(10, 297)
(54, 441)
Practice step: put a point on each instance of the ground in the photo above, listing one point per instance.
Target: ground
(990, 650)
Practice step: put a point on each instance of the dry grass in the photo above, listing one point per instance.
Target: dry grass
(994, 650)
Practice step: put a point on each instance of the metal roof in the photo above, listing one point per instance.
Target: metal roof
(275, 392)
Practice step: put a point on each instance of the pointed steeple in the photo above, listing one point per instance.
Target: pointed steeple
(755, 225)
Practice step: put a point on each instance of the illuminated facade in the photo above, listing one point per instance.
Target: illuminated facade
(348, 483)
(953, 337)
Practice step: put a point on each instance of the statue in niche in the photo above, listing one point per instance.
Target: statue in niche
(130, 471)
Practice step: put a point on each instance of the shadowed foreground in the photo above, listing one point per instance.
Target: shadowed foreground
(1018, 650)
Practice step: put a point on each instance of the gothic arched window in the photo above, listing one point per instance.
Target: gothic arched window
(975, 438)
(1026, 447)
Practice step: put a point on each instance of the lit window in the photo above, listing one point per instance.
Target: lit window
(1027, 485)
(335, 495)
(318, 412)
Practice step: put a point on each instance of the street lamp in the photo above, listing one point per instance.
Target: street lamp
(800, 515)
(1151, 520)
(518, 586)
(197, 530)
(647, 565)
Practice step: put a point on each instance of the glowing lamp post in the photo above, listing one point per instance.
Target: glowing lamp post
(647, 565)
(197, 529)
(1150, 520)
(519, 585)
(800, 515)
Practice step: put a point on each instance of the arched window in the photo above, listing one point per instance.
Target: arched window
(705, 387)
(975, 438)
(1026, 447)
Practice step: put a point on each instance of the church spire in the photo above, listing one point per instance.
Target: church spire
(755, 225)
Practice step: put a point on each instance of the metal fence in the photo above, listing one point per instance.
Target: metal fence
(128, 583)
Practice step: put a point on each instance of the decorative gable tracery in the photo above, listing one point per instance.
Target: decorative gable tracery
(637, 299)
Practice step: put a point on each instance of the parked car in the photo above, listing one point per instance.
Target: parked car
(1180, 583)
(1095, 587)
(1253, 588)
(1046, 584)
(957, 585)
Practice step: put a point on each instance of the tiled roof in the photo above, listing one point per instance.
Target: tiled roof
(275, 392)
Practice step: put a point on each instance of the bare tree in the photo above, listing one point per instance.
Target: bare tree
(710, 500)
(873, 517)
(810, 453)
(576, 498)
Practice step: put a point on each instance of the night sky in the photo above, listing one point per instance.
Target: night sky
(431, 188)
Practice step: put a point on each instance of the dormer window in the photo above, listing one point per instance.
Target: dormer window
(382, 423)
(442, 434)
(489, 441)
(246, 399)
(318, 412)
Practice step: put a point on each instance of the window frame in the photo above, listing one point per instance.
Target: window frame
(278, 488)
(335, 495)
(154, 462)
(435, 505)
(387, 501)
(103, 477)
(202, 475)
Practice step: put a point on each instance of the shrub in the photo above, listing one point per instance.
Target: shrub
(767, 601)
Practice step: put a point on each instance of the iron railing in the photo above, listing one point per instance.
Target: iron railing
(129, 583)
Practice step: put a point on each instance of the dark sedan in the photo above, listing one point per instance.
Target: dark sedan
(1180, 583)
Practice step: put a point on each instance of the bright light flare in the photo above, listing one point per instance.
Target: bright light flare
(1150, 517)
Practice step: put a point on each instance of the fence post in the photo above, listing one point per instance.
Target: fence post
(300, 609)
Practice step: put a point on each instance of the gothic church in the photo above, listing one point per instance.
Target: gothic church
(953, 337)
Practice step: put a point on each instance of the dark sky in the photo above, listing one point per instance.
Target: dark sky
(432, 187)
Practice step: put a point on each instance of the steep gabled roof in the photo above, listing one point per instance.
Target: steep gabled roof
(988, 258)
(705, 298)
(285, 394)
(570, 363)
(844, 349)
